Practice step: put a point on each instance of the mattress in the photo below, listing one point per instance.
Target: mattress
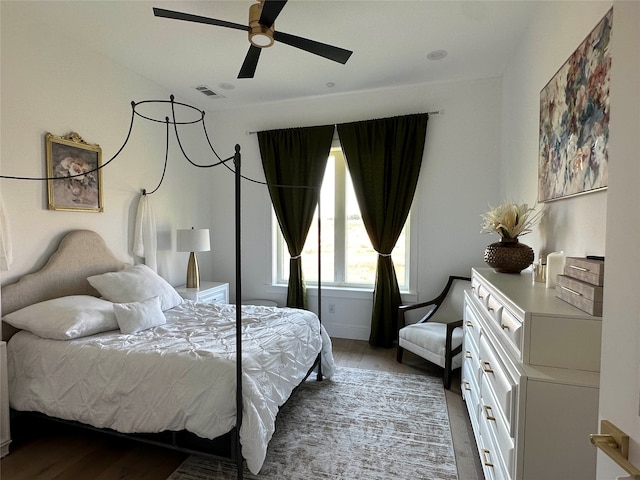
(178, 376)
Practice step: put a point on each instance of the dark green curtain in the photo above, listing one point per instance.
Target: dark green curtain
(295, 157)
(384, 158)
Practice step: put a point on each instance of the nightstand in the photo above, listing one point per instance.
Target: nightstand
(209, 292)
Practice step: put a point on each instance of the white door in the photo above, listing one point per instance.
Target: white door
(620, 368)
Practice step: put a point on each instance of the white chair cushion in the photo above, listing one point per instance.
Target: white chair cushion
(427, 340)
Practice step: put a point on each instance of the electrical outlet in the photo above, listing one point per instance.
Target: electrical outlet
(332, 308)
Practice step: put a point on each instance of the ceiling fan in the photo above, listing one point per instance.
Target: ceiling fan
(262, 34)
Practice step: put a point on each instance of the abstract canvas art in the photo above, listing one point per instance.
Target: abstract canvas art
(574, 120)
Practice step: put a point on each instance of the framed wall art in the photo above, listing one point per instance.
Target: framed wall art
(77, 164)
(574, 120)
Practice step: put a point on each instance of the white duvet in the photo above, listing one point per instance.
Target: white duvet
(179, 376)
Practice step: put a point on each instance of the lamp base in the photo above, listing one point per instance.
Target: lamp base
(193, 275)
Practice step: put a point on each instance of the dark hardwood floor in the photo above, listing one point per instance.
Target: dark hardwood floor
(50, 451)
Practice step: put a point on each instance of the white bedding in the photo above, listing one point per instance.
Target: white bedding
(178, 376)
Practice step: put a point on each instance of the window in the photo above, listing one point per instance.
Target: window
(348, 259)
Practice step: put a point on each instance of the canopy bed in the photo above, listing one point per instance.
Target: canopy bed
(69, 359)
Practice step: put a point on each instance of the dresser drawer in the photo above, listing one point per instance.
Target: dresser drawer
(471, 371)
(495, 423)
(493, 464)
(471, 396)
(497, 382)
(215, 296)
(511, 326)
(494, 307)
(481, 292)
(471, 323)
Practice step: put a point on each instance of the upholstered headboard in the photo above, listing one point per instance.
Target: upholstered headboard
(81, 253)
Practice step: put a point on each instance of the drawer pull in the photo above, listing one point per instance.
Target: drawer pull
(504, 327)
(480, 296)
(469, 324)
(570, 291)
(467, 354)
(582, 269)
(467, 386)
(486, 366)
(485, 457)
(490, 309)
(488, 413)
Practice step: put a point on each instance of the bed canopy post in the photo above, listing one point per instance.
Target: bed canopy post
(319, 375)
(238, 446)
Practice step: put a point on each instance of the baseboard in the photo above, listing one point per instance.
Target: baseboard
(4, 448)
(351, 332)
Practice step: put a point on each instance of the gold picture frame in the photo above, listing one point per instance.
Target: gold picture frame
(77, 164)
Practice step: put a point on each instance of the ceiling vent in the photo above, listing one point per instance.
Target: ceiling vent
(208, 92)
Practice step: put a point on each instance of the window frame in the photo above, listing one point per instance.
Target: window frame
(278, 247)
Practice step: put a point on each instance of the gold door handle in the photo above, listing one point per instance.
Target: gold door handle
(615, 443)
(469, 324)
(467, 354)
(504, 327)
(466, 386)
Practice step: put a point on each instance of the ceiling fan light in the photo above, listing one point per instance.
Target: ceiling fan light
(259, 35)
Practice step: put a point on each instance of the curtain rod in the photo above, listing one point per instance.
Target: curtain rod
(435, 112)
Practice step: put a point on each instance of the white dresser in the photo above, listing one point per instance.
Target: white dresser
(530, 379)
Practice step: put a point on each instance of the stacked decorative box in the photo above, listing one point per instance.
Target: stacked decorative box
(582, 284)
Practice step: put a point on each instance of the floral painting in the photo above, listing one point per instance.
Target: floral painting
(574, 120)
(75, 181)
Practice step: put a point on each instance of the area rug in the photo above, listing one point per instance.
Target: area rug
(361, 424)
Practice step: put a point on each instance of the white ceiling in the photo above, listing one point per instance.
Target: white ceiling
(390, 41)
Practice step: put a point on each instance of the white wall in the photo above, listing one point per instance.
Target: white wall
(575, 225)
(50, 84)
(596, 223)
(459, 178)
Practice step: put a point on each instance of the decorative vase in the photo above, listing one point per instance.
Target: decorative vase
(508, 255)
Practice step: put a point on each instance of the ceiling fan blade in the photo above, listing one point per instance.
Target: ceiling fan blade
(161, 12)
(250, 62)
(336, 54)
(270, 11)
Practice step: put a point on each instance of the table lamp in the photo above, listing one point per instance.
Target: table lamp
(193, 240)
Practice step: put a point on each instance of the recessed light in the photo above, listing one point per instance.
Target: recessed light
(437, 55)
(226, 86)
(330, 84)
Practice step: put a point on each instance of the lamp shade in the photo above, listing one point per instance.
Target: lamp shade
(193, 240)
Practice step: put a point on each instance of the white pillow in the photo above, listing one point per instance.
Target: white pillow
(135, 316)
(135, 284)
(65, 318)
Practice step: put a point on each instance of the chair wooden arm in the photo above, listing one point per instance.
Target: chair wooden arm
(449, 353)
(435, 301)
(402, 309)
